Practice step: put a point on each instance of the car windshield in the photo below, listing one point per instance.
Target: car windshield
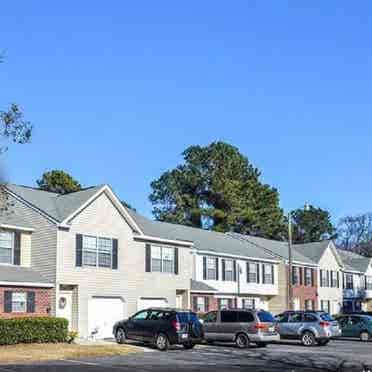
(326, 317)
(265, 317)
(186, 317)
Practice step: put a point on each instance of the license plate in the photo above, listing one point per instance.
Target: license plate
(184, 335)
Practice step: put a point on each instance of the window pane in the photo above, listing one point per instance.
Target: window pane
(265, 317)
(19, 302)
(168, 259)
(6, 247)
(229, 270)
(252, 276)
(211, 269)
(268, 279)
(156, 252)
(248, 303)
(245, 317)
(309, 318)
(104, 252)
(155, 258)
(168, 266)
(89, 251)
(200, 304)
(229, 316)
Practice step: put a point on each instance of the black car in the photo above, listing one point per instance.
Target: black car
(161, 327)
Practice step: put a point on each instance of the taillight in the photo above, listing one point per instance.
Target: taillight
(260, 326)
(176, 325)
(324, 324)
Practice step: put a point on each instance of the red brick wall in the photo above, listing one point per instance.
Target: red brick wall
(306, 292)
(213, 302)
(42, 302)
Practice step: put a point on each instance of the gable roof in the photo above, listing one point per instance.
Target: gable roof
(204, 240)
(353, 261)
(276, 247)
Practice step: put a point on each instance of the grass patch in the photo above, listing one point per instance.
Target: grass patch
(23, 353)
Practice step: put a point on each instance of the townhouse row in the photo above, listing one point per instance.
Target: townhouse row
(85, 257)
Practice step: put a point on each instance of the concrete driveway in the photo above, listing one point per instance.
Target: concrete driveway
(340, 355)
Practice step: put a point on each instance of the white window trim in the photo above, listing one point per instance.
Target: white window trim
(209, 267)
(97, 252)
(13, 242)
(25, 302)
(161, 259)
(229, 271)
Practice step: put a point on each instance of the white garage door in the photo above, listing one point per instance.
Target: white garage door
(103, 313)
(145, 303)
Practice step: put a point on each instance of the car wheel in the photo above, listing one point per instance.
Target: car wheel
(261, 344)
(242, 341)
(364, 336)
(308, 339)
(162, 342)
(323, 342)
(120, 336)
(189, 346)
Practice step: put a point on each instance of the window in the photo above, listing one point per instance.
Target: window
(97, 251)
(325, 306)
(211, 317)
(308, 277)
(245, 317)
(282, 318)
(265, 317)
(295, 318)
(309, 305)
(224, 303)
(355, 320)
(349, 283)
(162, 259)
(296, 275)
(369, 283)
(229, 316)
(248, 303)
(252, 272)
(142, 315)
(19, 302)
(211, 268)
(323, 278)
(334, 279)
(326, 317)
(268, 274)
(310, 318)
(229, 271)
(200, 304)
(6, 247)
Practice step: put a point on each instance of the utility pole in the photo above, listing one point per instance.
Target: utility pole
(290, 263)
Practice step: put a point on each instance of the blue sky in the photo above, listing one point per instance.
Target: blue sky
(117, 90)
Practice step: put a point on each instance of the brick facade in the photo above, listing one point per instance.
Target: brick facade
(212, 301)
(303, 292)
(42, 302)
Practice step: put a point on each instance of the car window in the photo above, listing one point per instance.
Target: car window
(282, 318)
(154, 315)
(245, 317)
(326, 317)
(187, 317)
(229, 316)
(265, 317)
(141, 315)
(211, 317)
(310, 318)
(355, 320)
(343, 320)
(295, 318)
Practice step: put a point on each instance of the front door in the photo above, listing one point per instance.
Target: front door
(64, 307)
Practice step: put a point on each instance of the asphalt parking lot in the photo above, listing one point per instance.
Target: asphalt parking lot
(340, 355)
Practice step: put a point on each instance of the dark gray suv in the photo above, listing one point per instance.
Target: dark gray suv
(240, 326)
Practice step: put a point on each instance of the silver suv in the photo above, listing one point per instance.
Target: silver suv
(240, 326)
(311, 327)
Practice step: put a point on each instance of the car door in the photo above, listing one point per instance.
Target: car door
(282, 324)
(151, 325)
(343, 322)
(136, 325)
(294, 325)
(354, 326)
(210, 325)
(227, 326)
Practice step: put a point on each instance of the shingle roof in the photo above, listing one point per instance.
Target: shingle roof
(353, 261)
(11, 217)
(314, 250)
(202, 287)
(204, 240)
(54, 205)
(278, 248)
(19, 274)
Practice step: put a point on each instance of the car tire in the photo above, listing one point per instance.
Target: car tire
(162, 342)
(308, 339)
(189, 346)
(120, 336)
(364, 336)
(261, 344)
(242, 341)
(323, 342)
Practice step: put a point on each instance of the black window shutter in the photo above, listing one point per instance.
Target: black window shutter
(321, 277)
(30, 302)
(258, 273)
(176, 261)
(272, 274)
(17, 248)
(300, 271)
(223, 270)
(114, 254)
(206, 299)
(79, 250)
(8, 301)
(217, 273)
(234, 271)
(313, 277)
(195, 303)
(204, 268)
(148, 258)
(338, 279)
(263, 274)
(247, 266)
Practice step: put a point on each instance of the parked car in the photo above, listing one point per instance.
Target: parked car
(161, 327)
(240, 326)
(311, 327)
(356, 325)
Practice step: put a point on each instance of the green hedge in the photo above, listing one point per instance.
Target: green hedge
(33, 330)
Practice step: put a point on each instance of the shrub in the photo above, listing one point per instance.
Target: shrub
(33, 330)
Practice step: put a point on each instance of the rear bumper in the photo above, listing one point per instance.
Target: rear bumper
(264, 338)
(183, 338)
(329, 333)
